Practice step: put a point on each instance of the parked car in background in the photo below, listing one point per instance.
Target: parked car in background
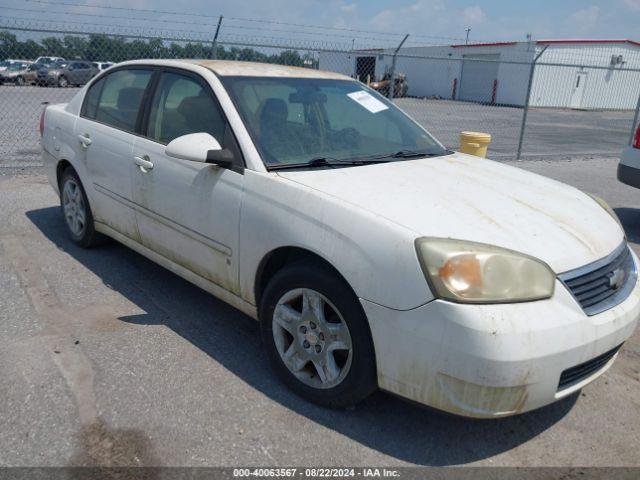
(13, 71)
(48, 60)
(103, 65)
(382, 85)
(9, 61)
(28, 76)
(372, 256)
(629, 166)
(67, 73)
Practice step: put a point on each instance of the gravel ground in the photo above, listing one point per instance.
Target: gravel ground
(108, 359)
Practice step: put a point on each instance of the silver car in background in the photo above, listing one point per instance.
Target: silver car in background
(13, 72)
(67, 73)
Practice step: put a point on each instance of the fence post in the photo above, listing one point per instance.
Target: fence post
(526, 102)
(392, 76)
(635, 121)
(214, 48)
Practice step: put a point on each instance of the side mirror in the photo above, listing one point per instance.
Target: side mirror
(199, 147)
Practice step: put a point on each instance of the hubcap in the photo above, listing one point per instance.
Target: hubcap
(312, 338)
(73, 207)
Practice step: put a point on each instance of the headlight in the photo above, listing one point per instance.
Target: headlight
(472, 272)
(607, 208)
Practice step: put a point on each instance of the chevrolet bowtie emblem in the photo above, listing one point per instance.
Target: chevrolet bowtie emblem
(616, 278)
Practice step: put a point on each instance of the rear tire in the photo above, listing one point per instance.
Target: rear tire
(317, 337)
(63, 82)
(77, 211)
(20, 81)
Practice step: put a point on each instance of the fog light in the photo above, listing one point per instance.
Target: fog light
(482, 400)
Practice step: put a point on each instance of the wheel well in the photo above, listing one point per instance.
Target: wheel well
(60, 168)
(281, 257)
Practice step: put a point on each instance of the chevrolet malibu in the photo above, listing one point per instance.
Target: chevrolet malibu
(372, 256)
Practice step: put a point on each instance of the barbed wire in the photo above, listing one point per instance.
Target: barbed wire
(244, 19)
(240, 41)
(210, 25)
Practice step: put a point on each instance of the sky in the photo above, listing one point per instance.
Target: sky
(428, 21)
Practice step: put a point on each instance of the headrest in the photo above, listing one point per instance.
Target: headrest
(274, 109)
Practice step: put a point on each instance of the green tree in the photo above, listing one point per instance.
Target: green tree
(53, 46)
(8, 45)
(75, 47)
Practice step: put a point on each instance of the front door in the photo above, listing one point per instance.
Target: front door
(104, 132)
(577, 93)
(188, 211)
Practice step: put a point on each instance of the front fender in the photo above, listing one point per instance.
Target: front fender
(375, 256)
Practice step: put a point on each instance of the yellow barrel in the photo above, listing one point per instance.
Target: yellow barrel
(474, 143)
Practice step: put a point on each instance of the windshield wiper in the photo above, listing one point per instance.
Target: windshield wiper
(325, 162)
(412, 154)
(329, 161)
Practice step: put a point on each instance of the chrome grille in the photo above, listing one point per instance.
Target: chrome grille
(603, 284)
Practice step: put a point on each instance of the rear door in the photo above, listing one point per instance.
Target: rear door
(73, 73)
(78, 73)
(189, 212)
(105, 132)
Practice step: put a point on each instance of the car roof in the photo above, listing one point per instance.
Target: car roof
(228, 68)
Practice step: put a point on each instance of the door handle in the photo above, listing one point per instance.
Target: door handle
(84, 140)
(144, 164)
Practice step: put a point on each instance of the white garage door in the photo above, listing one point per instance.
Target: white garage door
(478, 77)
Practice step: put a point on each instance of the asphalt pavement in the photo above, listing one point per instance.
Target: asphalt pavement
(109, 359)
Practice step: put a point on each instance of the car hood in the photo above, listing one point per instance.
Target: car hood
(469, 198)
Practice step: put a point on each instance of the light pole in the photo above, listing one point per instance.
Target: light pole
(468, 29)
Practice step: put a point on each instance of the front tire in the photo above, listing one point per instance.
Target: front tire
(317, 336)
(20, 81)
(63, 82)
(76, 210)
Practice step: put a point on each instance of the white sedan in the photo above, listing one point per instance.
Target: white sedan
(372, 256)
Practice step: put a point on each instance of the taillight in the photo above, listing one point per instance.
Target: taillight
(42, 120)
(636, 139)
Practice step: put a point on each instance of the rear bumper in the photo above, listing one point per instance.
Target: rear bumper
(50, 164)
(489, 361)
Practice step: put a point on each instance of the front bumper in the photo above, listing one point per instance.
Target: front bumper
(490, 361)
(629, 167)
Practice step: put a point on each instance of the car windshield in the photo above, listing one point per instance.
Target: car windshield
(298, 120)
(16, 66)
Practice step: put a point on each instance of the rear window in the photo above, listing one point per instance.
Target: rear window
(115, 100)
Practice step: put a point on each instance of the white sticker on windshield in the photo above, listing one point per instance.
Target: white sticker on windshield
(368, 101)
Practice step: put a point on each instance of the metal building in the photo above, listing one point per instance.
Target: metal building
(584, 74)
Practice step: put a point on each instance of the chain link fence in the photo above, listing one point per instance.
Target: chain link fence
(536, 99)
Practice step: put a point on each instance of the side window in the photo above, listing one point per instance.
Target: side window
(121, 98)
(91, 100)
(182, 105)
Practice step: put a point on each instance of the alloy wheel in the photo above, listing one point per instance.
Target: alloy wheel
(312, 338)
(73, 205)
